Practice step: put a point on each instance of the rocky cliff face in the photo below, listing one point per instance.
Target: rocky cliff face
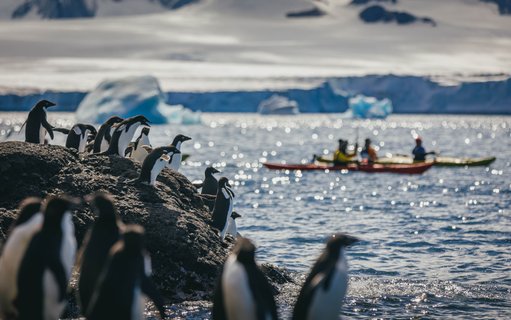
(186, 253)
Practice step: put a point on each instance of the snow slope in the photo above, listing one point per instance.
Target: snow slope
(251, 45)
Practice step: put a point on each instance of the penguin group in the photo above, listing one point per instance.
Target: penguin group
(40, 254)
(113, 265)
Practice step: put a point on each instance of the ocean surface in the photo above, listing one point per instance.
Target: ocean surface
(434, 246)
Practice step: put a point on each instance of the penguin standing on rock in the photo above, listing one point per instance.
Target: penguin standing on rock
(36, 123)
(325, 287)
(79, 136)
(28, 222)
(175, 164)
(136, 150)
(123, 134)
(97, 244)
(155, 162)
(223, 206)
(125, 281)
(104, 136)
(243, 292)
(210, 183)
(46, 266)
(232, 228)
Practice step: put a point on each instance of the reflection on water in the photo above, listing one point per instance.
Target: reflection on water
(434, 246)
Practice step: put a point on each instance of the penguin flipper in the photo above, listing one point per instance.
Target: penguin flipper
(149, 289)
(62, 130)
(128, 151)
(58, 271)
(48, 128)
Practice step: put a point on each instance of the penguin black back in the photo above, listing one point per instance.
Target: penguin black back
(122, 129)
(97, 244)
(323, 269)
(36, 123)
(27, 209)
(78, 136)
(123, 279)
(150, 162)
(44, 254)
(104, 133)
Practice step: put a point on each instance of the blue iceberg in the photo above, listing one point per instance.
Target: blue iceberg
(369, 107)
(277, 104)
(129, 97)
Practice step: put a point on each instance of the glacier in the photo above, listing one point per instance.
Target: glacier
(129, 97)
(363, 107)
(277, 104)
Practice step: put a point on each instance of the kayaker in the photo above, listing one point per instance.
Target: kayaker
(341, 155)
(368, 153)
(419, 153)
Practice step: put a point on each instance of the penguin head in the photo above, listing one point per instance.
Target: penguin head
(211, 171)
(103, 206)
(113, 120)
(245, 251)
(91, 129)
(223, 182)
(133, 237)
(27, 209)
(55, 208)
(145, 130)
(171, 150)
(235, 215)
(339, 241)
(140, 118)
(180, 138)
(44, 104)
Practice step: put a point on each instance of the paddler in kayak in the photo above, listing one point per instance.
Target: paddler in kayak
(341, 155)
(368, 153)
(419, 153)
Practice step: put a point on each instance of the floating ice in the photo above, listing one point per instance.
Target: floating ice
(369, 107)
(131, 96)
(277, 104)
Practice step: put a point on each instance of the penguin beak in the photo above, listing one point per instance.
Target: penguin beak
(235, 215)
(50, 104)
(214, 170)
(185, 138)
(351, 240)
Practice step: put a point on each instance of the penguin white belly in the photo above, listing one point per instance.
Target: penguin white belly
(232, 229)
(175, 164)
(42, 134)
(13, 252)
(238, 300)
(125, 138)
(52, 307)
(157, 168)
(229, 212)
(138, 304)
(68, 247)
(327, 304)
(83, 141)
(104, 145)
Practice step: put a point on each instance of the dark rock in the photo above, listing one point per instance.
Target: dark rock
(186, 253)
(310, 13)
(377, 13)
(503, 5)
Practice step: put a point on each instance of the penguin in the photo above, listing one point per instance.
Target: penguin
(36, 123)
(46, 265)
(242, 291)
(97, 244)
(103, 137)
(175, 164)
(232, 229)
(155, 162)
(223, 206)
(125, 281)
(79, 136)
(325, 287)
(210, 183)
(28, 222)
(123, 134)
(135, 149)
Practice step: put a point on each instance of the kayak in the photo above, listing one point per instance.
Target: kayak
(441, 161)
(413, 168)
(437, 162)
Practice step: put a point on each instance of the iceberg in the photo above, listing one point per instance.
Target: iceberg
(369, 107)
(277, 104)
(129, 97)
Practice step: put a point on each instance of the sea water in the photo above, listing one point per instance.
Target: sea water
(434, 246)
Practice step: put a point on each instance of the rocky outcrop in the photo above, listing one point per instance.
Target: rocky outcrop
(186, 253)
(377, 13)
